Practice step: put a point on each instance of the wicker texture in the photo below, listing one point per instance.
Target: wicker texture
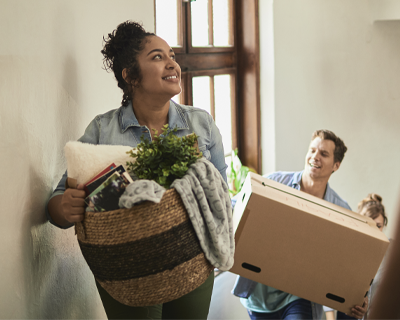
(146, 255)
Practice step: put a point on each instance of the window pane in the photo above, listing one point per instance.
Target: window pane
(221, 23)
(199, 12)
(201, 93)
(167, 21)
(223, 113)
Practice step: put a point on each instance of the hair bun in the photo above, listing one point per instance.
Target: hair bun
(118, 41)
(372, 199)
(120, 51)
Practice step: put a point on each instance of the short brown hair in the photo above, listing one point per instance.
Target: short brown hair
(374, 207)
(340, 148)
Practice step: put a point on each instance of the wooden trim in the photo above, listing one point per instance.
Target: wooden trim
(211, 49)
(201, 61)
(188, 27)
(189, 90)
(212, 72)
(210, 23)
(248, 57)
(181, 22)
(184, 86)
(234, 110)
(232, 23)
(212, 97)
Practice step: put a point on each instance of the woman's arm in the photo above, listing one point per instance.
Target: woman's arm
(217, 150)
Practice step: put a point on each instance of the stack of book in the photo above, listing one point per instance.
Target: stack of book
(105, 189)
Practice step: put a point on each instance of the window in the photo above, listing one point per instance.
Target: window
(207, 37)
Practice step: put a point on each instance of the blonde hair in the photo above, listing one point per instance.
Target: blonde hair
(373, 207)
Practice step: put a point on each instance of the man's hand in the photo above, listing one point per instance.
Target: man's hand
(358, 312)
(73, 204)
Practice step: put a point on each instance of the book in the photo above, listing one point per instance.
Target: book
(106, 196)
(90, 187)
(108, 168)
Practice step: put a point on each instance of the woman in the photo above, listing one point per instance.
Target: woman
(371, 207)
(145, 68)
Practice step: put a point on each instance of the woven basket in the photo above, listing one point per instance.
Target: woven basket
(145, 255)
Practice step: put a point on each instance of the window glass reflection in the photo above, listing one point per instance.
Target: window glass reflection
(167, 24)
(223, 113)
(200, 25)
(221, 21)
(201, 93)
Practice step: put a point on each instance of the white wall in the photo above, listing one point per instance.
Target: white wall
(335, 69)
(51, 85)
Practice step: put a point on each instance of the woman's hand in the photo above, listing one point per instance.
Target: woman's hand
(73, 204)
(359, 311)
(68, 208)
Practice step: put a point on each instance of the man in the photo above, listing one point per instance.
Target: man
(323, 158)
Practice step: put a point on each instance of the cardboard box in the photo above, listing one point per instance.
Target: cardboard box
(303, 245)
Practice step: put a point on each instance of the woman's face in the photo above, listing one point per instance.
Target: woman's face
(380, 222)
(161, 75)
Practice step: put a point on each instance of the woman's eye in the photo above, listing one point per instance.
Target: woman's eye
(173, 57)
(158, 56)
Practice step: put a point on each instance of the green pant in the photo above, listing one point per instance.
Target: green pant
(194, 305)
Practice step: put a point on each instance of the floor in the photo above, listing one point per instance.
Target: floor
(224, 305)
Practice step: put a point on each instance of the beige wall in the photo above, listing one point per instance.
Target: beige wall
(333, 68)
(51, 85)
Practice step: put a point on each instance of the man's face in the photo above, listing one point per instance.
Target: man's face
(320, 159)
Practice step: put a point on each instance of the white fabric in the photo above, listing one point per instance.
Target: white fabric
(85, 161)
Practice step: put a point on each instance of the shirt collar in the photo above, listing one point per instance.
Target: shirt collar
(175, 117)
(328, 193)
(296, 179)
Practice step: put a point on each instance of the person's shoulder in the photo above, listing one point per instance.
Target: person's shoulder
(281, 176)
(336, 199)
(190, 110)
(109, 114)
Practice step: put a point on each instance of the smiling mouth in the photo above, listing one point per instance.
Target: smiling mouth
(170, 77)
(314, 166)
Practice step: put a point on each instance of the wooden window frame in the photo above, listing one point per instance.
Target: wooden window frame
(248, 57)
(244, 55)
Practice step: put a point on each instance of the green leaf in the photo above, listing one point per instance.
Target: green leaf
(164, 159)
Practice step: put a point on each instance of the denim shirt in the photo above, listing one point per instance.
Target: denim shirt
(244, 287)
(121, 127)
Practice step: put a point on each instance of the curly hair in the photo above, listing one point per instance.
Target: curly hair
(373, 207)
(120, 51)
(340, 148)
